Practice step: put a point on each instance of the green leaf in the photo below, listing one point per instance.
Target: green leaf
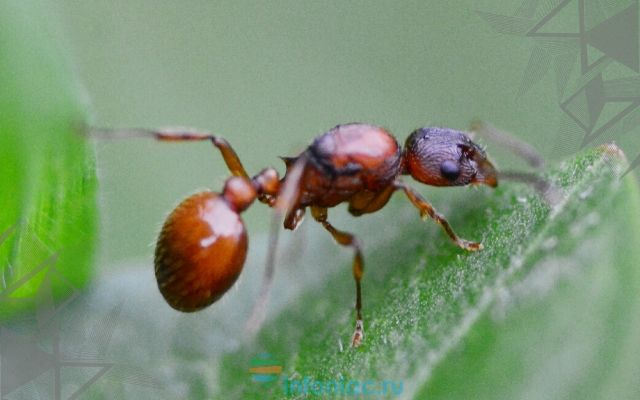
(550, 308)
(47, 171)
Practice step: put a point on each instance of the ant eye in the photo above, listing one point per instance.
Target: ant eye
(450, 170)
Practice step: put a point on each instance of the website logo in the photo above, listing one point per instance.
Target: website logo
(265, 369)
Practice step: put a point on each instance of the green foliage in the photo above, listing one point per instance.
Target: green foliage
(550, 308)
(47, 171)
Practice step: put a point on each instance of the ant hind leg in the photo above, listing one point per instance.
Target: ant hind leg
(283, 204)
(177, 135)
(259, 311)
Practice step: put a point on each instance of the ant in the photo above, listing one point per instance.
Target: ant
(203, 243)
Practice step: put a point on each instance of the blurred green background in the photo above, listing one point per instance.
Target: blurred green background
(270, 76)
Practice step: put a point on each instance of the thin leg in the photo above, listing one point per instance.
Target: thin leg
(259, 312)
(427, 210)
(285, 200)
(178, 135)
(293, 218)
(347, 239)
(288, 191)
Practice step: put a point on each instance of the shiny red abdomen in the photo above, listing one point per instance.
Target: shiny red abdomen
(200, 252)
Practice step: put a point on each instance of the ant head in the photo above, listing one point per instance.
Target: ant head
(446, 157)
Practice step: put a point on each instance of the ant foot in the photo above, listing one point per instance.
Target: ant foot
(358, 334)
(470, 246)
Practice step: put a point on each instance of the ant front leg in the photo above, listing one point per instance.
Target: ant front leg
(347, 239)
(180, 135)
(427, 210)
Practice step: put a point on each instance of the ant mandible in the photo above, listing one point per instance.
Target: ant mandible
(202, 246)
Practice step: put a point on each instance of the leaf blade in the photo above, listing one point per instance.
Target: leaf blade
(48, 184)
(423, 316)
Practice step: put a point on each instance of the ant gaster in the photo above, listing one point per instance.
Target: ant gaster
(202, 246)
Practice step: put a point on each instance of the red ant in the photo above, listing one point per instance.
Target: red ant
(202, 247)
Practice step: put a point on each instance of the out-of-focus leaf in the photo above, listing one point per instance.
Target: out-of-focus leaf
(47, 172)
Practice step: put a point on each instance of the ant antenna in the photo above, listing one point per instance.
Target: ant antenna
(510, 142)
(550, 192)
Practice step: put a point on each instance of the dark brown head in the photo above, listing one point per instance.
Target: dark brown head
(446, 157)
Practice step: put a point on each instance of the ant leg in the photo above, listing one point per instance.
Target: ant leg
(179, 135)
(284, 201)
(259, 311)
(427, 210)
(294, 218)
(347, 239)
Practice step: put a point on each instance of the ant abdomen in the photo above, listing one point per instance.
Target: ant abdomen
(200, 251)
